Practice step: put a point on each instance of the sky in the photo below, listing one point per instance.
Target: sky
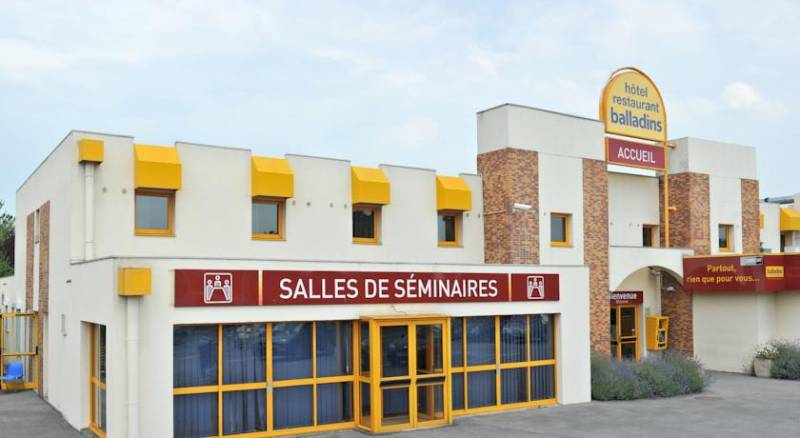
(385, 82)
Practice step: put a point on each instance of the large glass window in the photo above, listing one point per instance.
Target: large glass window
(365, 224)
(247, 371)
(267, 221)
(97, 379)
(154, 212)
(520, 369)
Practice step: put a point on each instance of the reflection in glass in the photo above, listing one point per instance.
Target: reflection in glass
(291, 350)
(394, 350)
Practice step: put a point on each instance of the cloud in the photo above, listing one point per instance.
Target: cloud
(413, 134)
(741, 96)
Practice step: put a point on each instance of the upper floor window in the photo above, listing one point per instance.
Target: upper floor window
(267, 219)
(366, 223)
(725, 237)
(560, 229)
(649, 235)
(155, 213)
(449, 229)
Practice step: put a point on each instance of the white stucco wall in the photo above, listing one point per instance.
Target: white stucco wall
(633, 201)
(11, 298)
(725, 201)
(560, 191)
(712, 158)
(770, 234)
(548, 132)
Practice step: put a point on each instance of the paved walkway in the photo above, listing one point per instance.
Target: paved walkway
(733, 406)
(24, 414)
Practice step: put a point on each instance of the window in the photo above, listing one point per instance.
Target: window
(649, 235)
(268, 218)
(97, 379)
(366, 222)
(560, 229)
(449, 229)
(725, 237)
(155, 213)
(515, 354)
(298, 368)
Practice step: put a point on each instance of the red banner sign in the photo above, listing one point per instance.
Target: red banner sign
(629, 153)
(217, 287)
(755, 273)
(620, 297)
(195, 287)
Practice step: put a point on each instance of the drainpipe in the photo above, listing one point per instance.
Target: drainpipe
(88, 210)
(132, 306)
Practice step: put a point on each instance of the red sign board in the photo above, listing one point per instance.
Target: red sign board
(755, 273)
(192, 287)
(630, 153)
(196, 287)
(620, 297)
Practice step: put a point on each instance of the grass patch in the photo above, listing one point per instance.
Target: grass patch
(666, 375)
(786, 364)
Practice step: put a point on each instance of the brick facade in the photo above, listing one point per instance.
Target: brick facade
(751, 239)
(510, 176)
(595, 250)
(689, 227)
(29, 230)
(44, 285)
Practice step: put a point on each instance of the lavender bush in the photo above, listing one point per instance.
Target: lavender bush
(786, 364)
(666, 375)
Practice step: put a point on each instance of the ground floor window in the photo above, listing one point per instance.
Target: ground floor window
(97, 379)
(249, 378)
(502, 361)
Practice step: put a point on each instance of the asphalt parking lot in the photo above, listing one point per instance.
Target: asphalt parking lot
(733, 406)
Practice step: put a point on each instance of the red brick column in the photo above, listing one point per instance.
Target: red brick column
(44, 286)
(751, 239)
(510, 176)
(595, 250)
(689, 227)
(29, 246)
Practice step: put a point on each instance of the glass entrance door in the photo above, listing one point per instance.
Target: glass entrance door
(19, 350)
(411, 388)
(624, 332)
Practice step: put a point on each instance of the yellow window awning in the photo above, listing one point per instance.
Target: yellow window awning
(272, 177)
(453, 193)
(790, 219)
(90, 150)
(157, 167)
(370, 186)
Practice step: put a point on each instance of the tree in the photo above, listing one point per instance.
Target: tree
(6, 243)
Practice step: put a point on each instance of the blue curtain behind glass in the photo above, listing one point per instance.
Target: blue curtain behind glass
(542, 382)
(512, 338)
(458, 390)
(334, 403)
(244, 353)
(291, 350)
(334, 349)
(194, 356)
(457, 339)
(293, 406)
(194, 415)
(482, 388)
(244, 411)
(480, 340)
(541, 337)
(513, 385)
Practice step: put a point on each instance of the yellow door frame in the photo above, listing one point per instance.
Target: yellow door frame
(619, 339)
(26, 384)
(375, 377)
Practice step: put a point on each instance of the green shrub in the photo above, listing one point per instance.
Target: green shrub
(666, 375)
(786, 364)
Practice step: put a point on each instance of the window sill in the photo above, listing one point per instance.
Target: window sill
(273, 237)
(449, 245)
(561, 244)
(365, 241)
(142, 233)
